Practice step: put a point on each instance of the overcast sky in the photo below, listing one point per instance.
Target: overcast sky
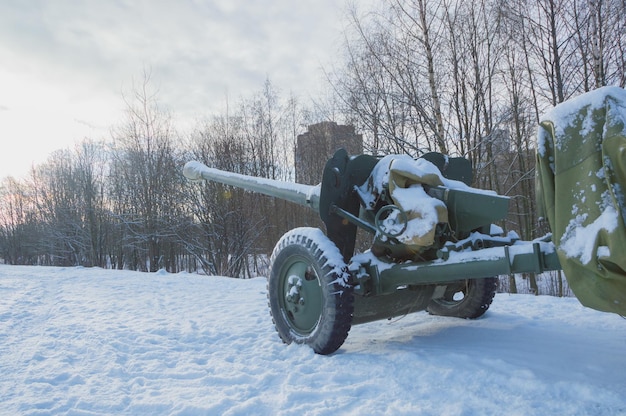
(65, 64)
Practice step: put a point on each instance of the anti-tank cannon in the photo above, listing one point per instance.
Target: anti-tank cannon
(434, 246)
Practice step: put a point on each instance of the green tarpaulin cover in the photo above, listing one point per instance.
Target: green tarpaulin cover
(581, 183)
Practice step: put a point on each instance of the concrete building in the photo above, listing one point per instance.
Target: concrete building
(318, 144)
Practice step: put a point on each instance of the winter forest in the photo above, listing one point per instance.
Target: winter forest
(463, 78)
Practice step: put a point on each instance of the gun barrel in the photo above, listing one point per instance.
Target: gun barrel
(306, 195)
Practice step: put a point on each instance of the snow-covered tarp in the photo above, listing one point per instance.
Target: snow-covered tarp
(581, 179)
(77, 341)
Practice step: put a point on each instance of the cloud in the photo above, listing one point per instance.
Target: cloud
(80, 57)
(229, 43)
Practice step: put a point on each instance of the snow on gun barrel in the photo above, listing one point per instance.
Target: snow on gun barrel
(581, 179)
(306, 195)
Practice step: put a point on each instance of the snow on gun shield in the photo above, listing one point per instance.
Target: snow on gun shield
(434, 246)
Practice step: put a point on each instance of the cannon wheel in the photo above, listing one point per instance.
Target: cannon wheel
(309, 301)
(468, 299)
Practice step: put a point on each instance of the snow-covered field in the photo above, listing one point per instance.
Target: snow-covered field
(91, 341)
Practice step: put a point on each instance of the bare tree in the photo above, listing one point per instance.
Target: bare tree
(226, 230)
(392, 83)
(145, 182)
(90, 166)
(18, 226)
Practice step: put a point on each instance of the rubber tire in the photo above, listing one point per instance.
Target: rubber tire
(477, 297)
(310, 248)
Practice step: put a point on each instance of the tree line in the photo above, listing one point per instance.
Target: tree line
(464, 78)
(124, 203)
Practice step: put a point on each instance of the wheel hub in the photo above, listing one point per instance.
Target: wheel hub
(294, 297)
(302, 297)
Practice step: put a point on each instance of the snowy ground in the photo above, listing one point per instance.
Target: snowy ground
(89, 341)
